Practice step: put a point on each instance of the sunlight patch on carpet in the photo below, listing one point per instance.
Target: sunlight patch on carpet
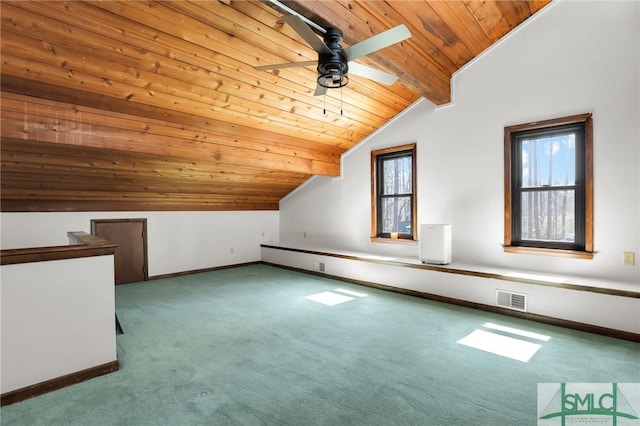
(329, 298)
(516, 331)
(350, 292)
(498, 344)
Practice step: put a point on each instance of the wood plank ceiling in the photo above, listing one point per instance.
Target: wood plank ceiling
(155, 105)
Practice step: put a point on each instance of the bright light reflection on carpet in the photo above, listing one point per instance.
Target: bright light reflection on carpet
(329, 298)
(497, 344)
(350, 292)
(516, 331)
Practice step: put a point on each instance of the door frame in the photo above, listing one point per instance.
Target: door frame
(145, 266)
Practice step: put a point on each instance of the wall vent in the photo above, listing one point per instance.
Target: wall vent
(318, 266)
(511, 300)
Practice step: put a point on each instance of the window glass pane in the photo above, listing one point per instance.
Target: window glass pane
(549, 160)
(396, 215)
(396, 175)
(548, 216)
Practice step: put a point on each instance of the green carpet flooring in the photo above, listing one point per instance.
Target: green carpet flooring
(243, 346)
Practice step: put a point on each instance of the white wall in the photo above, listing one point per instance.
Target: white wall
(177, 241)
(603, 310)
(57, 319)
(574, 57)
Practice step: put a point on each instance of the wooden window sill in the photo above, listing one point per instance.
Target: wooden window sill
(393, 241)
(550, 252)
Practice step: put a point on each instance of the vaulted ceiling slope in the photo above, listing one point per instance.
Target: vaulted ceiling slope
(156, 105)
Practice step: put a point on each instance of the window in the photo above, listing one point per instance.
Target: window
(393, 189)
(549, 187)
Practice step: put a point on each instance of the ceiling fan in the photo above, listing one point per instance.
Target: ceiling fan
(334, 63)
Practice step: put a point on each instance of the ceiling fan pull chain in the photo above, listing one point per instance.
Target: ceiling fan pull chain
(324, 107)
(340, 100)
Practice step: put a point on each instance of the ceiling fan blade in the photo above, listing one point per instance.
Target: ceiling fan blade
(377, 42)
(372, 73)
(306, 33)
(320, 90)
(286, 65)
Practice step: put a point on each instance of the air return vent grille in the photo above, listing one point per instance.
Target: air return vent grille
(511, 300)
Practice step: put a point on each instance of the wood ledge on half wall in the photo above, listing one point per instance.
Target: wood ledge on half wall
(470, 271)
(589, 328)
(81, 244)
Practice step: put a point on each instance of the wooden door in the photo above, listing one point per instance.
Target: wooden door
(131, 254)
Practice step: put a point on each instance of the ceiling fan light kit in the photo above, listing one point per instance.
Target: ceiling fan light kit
(334, 61)
(333, 66)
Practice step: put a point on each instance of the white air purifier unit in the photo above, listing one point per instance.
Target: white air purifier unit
(435, 244)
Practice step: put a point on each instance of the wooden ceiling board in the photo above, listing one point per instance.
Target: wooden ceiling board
(38, 170)
(156, 105)
(61, 126)
(106, 77)
(367, 21)
(33, 156)
(67, 118)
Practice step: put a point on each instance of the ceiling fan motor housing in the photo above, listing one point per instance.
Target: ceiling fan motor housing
(333, 67)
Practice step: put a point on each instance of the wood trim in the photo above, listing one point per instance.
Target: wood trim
(405, 241)
(451, 270)
(588, 173)
(43, 254)
(507, 187)
(414, 190)
(199, 271)
(374, 201)
(550, 252)
(81, 237)
(407, 147)
(374, 191)
(579, 118)
(587, 119)
(38, 389)
(589, 328)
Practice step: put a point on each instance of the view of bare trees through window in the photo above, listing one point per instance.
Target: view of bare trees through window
(396, 195)
(548, 188)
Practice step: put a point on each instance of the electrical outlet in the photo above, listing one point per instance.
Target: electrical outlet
(305, 234)
(232, 250)
(629, 258)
